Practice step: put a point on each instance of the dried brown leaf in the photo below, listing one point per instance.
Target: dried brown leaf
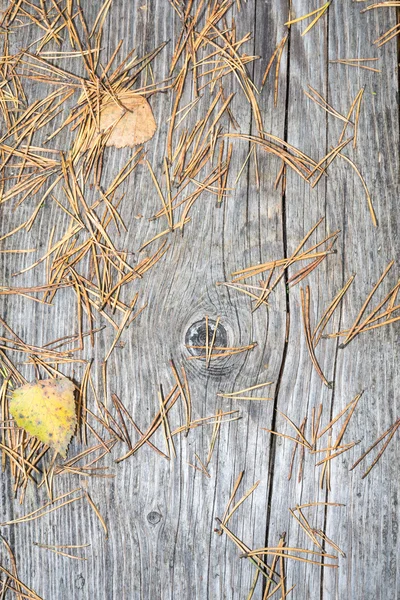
(131, 122)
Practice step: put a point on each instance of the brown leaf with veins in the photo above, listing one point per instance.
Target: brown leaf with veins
(131, 122)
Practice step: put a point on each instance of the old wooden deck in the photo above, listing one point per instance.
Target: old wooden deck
(161, 514)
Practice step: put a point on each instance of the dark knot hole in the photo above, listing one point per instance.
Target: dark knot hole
(196, 335)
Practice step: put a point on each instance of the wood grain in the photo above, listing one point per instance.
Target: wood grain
(161, 514)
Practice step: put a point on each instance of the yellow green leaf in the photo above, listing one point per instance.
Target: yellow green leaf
(46, 410)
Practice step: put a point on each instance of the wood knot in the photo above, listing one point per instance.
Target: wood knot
(196, 337)
(154, 517)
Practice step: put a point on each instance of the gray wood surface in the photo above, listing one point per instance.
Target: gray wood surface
(161, 514)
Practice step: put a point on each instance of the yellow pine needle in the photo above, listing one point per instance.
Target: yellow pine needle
(323, 9)
(318, 11)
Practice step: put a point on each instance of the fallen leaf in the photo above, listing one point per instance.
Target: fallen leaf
(130, 124)
(46, 410)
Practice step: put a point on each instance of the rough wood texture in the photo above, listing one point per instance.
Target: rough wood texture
(161, 514)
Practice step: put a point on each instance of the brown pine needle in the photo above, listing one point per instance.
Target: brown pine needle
(246, 160)
(224, 172)
(169, 194)
(27, 593)
(264, 292)
(257, 269)
(257, 572)
(339, 415)
(167, 206)
(40, 512)
(279, 587)
(214, 437)
(371, 327)
(328, 159)
(309, 504)
(260, 565)
(245, 397)
(268, 583)
(328, 313)
(248, 389)
(302, 452)
(339, 450)
(316, 421)
(329, 541)
(305, 305)
(271, 61)
(13, 562)
(387, 4)
(294, 557)
(390, 433)
(318, 99)
(285, 262)
(231, 498)
(325, 476)
(97, 513)
(355, 63)
(203, 468)
(170, 400)
(305, 271)
(369, 201)
(305, 527)
(225, 351)
(59, 550)
(277, 69)
(121, 409)
(184, 392)
(301, 439)
(356, 105)
(187, 397)
(356, 328)
(388, 35)
(208, 421)
(165, 425)
(283, 549)
(125, 323)
(347, 420)
(240, 502)
(288, 437)
(294, 451)
(290, 155)
(243, 288)
(210, 347)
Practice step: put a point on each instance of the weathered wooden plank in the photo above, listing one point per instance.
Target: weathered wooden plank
(302, 387)
(132, 540)
(161, 514)
(172, 508)
(367, 527)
